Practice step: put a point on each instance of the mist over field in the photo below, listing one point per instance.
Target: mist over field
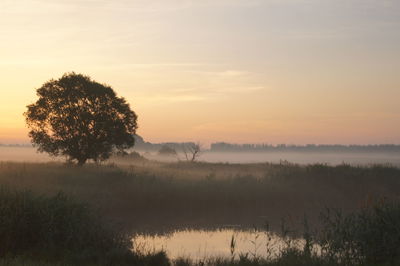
(200, 133)
(30, 154)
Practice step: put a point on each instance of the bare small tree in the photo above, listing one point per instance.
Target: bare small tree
(192, 151)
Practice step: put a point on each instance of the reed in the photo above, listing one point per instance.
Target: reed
(58, 228)
(160, 196)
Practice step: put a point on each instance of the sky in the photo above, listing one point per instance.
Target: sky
(244, 71)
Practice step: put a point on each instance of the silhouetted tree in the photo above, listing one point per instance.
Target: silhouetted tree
(191, 151)
(81, 119)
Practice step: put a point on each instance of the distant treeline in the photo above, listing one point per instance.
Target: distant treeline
(229, 147)
(142, 145)
(232, 147)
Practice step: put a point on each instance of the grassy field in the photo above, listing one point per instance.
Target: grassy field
(51, 209)
(144, 195)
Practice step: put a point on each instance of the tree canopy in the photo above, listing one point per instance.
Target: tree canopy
(81, 119)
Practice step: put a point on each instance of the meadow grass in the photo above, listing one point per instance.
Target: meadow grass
(40, 225)
(157, 196)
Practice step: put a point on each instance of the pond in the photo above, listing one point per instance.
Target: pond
(202, 244)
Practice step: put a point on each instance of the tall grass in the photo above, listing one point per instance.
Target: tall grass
(57, 228)
(150, 196)
(370, 235)
(31, 222)
(37, 223)
(367, 237)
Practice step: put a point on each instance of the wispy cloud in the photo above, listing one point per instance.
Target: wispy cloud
(166, 99)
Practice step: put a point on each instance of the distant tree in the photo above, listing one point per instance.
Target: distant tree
(81, 119)
(167, 151)
(191, 151)
(131, 156)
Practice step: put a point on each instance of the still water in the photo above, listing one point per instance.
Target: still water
(199, 244)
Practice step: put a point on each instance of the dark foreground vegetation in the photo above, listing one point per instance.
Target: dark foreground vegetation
(58, 229)
(154, 196)
(369, 236)
(43, 222)
(40, 230)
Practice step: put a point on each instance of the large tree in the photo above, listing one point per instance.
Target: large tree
(81, 119)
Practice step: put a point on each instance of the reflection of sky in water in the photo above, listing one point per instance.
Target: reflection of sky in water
(205, 244)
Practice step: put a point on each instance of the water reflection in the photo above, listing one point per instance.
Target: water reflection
(201, 244)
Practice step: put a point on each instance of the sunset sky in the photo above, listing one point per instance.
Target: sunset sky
(253, 71)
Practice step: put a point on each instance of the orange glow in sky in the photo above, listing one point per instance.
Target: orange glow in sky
(248, 71)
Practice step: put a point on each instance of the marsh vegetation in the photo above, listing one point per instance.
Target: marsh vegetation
(157, 196)
(142, 197)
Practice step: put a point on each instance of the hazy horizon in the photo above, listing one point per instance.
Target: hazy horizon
(239, 71)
